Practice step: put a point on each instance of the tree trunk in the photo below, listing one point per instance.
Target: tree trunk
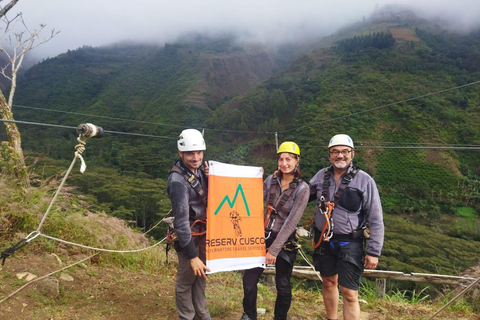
(14, 141)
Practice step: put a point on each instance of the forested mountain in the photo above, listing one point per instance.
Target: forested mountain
(149, 92)
(175, 86)
(404, 89)
(397, 88)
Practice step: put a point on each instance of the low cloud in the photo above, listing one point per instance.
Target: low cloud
(97, 23)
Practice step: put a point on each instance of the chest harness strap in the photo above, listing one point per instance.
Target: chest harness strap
(271, 209)
(191, 179)
(327, 207)
(197, 224)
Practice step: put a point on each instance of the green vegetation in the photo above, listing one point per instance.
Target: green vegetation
(360, 92)
(411, 134)
(143, 277)
(70, 219)
(376, 40)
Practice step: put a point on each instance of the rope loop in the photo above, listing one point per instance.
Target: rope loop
(32, 235)
(80, 147)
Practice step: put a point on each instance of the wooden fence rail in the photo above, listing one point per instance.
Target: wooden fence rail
(308, 273)
(381, 276)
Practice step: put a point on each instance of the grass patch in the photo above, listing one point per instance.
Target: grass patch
(466, 212)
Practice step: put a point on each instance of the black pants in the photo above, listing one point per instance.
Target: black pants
(283, 272)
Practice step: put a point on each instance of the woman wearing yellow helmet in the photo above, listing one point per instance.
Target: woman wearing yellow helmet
(288, 158)
(286, 195)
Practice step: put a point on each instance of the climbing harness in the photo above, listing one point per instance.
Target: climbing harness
(270, 221)
(271, 215)
(327, 207)
(191, 179)
(292, 243)
(201, 225)
(171, 236)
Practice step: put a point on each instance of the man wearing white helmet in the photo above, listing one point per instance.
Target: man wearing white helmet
(187, 190)
(356, 218)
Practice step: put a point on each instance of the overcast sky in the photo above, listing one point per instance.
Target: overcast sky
(101, 22)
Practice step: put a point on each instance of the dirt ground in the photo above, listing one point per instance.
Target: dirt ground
(405, 34)
(96, 292)
(99, 292)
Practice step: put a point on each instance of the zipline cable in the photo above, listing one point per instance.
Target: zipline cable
(409, 147)
(384, 106)
(235, 131)
(69, 127)
(450, 147)
(137, 121)
(264, 132)
(160, 221)
(98, 116)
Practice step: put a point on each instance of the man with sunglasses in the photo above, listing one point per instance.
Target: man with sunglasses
(340, 233)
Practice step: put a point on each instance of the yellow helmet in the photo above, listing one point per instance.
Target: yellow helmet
(290, 147)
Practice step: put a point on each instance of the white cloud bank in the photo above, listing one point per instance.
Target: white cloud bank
(102, 22)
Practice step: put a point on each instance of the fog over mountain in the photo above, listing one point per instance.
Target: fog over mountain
(96, 23)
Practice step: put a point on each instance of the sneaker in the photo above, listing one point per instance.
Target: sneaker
(246, 317)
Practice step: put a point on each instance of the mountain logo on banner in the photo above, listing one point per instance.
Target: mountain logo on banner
(232, 203)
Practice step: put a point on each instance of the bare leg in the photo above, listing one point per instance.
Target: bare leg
(351, 307)
(330, 296)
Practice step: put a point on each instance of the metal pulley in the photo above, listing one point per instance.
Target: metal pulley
(89, 130)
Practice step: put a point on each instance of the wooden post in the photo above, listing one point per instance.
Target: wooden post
(381, 285)
(271, 281)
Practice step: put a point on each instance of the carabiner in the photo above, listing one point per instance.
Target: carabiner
(35, 234)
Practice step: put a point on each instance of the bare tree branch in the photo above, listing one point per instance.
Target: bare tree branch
(9, 6)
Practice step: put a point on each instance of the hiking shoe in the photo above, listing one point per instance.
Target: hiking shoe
(246, 317)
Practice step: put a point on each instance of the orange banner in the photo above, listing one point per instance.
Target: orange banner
(235, 232)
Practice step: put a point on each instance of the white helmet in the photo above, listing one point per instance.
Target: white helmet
(341, 140)
(190, 140)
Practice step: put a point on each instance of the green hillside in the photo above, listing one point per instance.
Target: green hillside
(405, 90)
(152, 92)
(158, 90)
(367, 86)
